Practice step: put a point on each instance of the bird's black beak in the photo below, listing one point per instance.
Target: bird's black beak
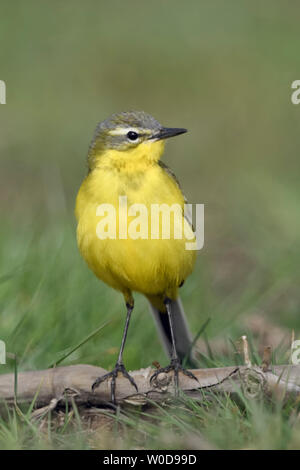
(167, 132)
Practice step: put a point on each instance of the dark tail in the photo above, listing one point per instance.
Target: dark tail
(183, 337)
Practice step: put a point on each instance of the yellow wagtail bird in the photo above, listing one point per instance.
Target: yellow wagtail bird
(124, 160)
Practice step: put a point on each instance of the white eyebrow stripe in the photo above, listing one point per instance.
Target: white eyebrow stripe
(123, 130)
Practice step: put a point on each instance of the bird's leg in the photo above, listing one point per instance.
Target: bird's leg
(175, 364)
(119, 367)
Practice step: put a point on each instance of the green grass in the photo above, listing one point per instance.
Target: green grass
(221, 69)
(51, 302)
(216, 423)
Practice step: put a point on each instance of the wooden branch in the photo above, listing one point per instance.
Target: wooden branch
(55, 386)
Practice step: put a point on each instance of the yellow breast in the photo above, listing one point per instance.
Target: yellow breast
(147, 265)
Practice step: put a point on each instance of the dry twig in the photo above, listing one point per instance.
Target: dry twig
(61, 384)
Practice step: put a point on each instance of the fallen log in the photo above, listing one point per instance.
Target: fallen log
(55, 386)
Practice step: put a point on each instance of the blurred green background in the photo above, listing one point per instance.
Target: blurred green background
(222, 69)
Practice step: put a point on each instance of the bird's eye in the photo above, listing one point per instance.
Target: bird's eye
(132, 135)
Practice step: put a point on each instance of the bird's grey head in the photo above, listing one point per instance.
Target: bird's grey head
(126, 130)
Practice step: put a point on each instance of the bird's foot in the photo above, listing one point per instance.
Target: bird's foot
(119, 367)
(176, 367)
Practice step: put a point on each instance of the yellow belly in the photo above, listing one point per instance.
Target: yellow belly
(150, 266)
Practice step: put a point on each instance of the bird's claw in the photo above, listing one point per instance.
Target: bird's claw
(119, 367)
(176, 367)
